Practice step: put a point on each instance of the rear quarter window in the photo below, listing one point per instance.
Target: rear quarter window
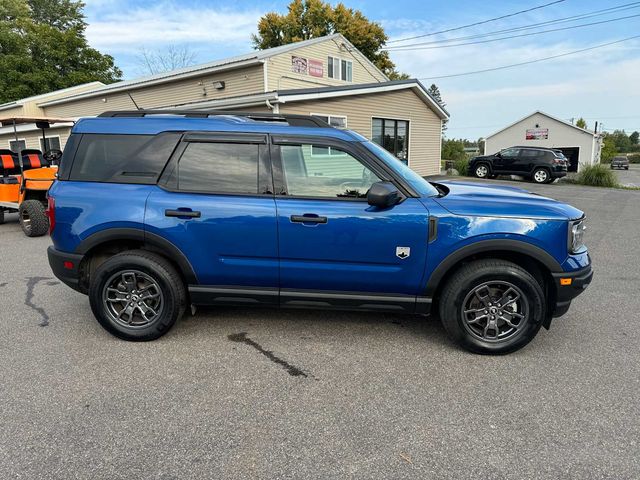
(122, 158)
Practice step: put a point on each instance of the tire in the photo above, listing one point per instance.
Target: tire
(33, 219)
(482, 170)
(1, 216)
(626, 168)
(540, 175)
(468, 330)
(113, 293)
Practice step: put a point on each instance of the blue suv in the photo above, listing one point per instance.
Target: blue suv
(156, 211)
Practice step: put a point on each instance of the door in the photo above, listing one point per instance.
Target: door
(529, 159)
(333, 246)
(507, 160)
(215, 203)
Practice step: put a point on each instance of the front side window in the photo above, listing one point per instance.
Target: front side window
(332, 175)
(509, 152)
(393, 136)
(219, 168)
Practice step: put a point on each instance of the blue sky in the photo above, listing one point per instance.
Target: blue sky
(599, 85)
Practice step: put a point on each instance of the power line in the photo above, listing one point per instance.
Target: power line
(477, 23)
(415, 46)
(531, 61)
(582, 16)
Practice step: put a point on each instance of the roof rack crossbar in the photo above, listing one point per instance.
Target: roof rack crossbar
(294, 120)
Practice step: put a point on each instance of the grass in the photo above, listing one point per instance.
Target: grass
(597, 176)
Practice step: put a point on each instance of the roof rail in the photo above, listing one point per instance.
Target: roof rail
(291, 119)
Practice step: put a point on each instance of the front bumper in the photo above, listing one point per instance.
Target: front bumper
(66, 267)
(569, 285)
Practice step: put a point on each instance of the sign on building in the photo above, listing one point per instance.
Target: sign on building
(299, 65)
(537, 134)
(316, 69)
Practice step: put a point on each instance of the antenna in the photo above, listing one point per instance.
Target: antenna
(134, 102)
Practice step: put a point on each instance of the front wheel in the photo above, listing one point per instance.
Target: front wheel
(481, 171)
(492, 307)
(540, 175)
(137, 295)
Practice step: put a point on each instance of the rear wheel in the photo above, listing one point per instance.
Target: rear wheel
(33, 219)
(137, 295)
(492, 307)
(541, 175)
(481, 170)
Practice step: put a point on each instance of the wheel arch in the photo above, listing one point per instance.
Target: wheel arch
(534, 259)
(101, 245)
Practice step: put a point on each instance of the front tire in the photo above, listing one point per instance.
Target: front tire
(492, 307)
(33, 219)
(541, 175)
(137, 295)
(481, 170)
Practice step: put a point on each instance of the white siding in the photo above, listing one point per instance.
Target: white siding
(560, 136)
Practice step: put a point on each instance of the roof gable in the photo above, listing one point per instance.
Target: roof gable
(550, 117)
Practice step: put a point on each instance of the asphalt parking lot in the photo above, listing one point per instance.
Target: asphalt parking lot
(631, 177)
(239, 393)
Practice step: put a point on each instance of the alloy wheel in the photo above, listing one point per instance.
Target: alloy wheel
(132, 299)
(495, 311)
(482, 171)
(541, 176)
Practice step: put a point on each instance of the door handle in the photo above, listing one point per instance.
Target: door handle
(308, 218)
(184, 213)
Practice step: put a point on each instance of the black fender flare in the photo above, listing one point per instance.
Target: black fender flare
(148, 239)
(484, 246)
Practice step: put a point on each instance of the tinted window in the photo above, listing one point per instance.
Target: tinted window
(531, 153)
(122, 158)
(219, 168)
(318, 171)
(509, 152)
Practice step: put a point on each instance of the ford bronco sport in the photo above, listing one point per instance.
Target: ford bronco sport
(155, 211)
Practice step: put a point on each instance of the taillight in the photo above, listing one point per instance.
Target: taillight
(51, 213)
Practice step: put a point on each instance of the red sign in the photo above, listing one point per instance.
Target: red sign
(316, 69)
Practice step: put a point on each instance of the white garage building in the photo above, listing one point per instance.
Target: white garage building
(540, 129)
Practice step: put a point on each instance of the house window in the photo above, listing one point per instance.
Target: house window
(16, 145)
(336, 121)
(50, 143)
(340, 69)
(393, 136)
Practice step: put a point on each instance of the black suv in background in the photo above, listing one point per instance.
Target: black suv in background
(541, 165)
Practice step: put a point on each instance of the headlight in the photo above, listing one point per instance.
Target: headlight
(576, 234)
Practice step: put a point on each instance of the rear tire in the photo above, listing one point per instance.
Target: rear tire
(512, 298)
(33, 219)
(541, 175)
(137, 295)
(1, 216)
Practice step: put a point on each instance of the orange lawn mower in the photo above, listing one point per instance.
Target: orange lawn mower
(26, 175)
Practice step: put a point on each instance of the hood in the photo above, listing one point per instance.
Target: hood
(476, 199)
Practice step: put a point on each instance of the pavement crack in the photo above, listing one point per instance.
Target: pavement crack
(291, 369)
(28, 300)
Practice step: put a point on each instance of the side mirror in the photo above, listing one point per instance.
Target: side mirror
(383, 195)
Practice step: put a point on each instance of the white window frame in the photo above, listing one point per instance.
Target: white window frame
(329, 116)
(40, 141)
(339, 60)
(19, 140)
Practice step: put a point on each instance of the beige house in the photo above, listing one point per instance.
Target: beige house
(325, 76)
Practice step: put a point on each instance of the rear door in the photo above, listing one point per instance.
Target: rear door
(529, 159)
(215, 203)
(334, 248)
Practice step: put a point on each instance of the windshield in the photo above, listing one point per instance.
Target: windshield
(419, 184)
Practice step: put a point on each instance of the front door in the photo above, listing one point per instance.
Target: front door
(215, 202)
(333, 246)
(507, 160)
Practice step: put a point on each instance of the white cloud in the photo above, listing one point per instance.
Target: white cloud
(127, 30)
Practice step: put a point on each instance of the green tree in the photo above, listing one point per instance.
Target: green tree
(308, 19)
(609, 149)
(43, 48)
(434, 91)
(453, 149)
(634, 137)
(581, 123)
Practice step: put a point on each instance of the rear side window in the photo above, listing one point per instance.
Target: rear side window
(219, 168)
(531, 153)
(122, 158)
